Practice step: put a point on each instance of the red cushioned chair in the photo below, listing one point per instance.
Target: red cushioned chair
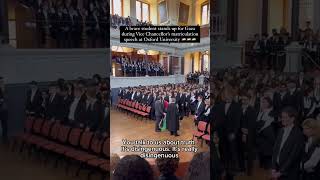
(45, 132)
(207, 136)
(200, 130)
(27, 132)
(106, 153)
(85, 142)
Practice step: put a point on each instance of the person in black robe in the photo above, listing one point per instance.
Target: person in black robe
(173, 117)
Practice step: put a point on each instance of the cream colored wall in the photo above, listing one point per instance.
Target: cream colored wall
(249, 21)
(126, 8)
(187, 63)
(198, 11)
(197, 64)
(275, 15)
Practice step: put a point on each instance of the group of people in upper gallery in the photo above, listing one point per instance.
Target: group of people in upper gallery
(175, 100)
(131, 68)
(118, 21)
(193, 77)
(65, 22)
(269, 52)
(80, 103)
(272, 117)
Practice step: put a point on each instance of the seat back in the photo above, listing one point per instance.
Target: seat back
(28, 124)
(45, 130)
(63, 133)
(133, 104)
(86, 140)
(148, 110)
(137, 106)
(96, 145)
(74, 137)
(55, 130)
(37, 125)
(106, 147)
(202, 126)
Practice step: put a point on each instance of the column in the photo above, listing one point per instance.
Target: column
(193, 12)
(293, 58)
(232, 20)
(295, 19)
(132, 8)
(264, 16)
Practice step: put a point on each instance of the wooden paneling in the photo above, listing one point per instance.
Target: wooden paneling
(183, 13)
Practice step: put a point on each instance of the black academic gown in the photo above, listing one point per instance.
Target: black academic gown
(172, 118)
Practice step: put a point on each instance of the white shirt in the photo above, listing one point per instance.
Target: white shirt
(52, 97)
(285, 136)
(313, 161)
(33, 93)
(73, 107)
(226, 108)
(207, 112)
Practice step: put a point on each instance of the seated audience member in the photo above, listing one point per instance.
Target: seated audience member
(310, 163)
(199, 167)
(288, 148)
(133, 167)
(167, 166)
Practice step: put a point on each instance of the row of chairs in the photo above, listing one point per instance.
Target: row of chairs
(203, 132)
(134, 107)
(66, 143)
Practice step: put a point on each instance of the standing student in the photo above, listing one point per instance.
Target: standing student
(288, 148)
(200, 109)
(173, 117)
(247, 134)
(266, 136)
(34, 100)
(159, 112)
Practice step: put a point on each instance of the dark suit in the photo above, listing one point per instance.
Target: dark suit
(53, 107)
(248, 121)
(159, 110)
(95, 115)
(307, 155)
(34, 106)
(290, 155)
(200, 110)
(3, 116)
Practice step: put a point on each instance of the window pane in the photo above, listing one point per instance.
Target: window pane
(204, 15)
(145, 12)
(117, 7)
(138, 10)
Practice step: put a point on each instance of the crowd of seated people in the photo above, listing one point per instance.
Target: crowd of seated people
(65, 22)
(139, 67)
(80, 104)
(194, 77)
(133, 167)
(117, 21)
(268, 116)
(268, 52)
